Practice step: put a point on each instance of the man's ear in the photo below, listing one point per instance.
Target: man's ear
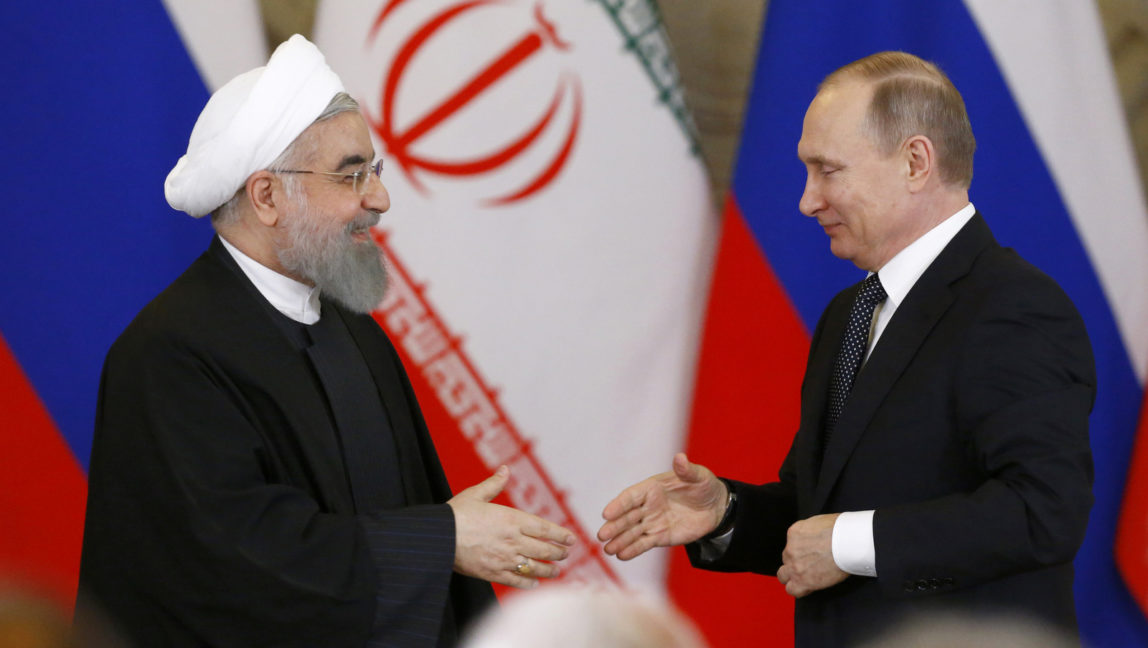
(921, 161)
(260, 189)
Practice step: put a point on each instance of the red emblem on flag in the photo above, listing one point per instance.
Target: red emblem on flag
(402, 143)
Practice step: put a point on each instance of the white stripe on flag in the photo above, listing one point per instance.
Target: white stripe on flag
(1053, 55)
(224, 37)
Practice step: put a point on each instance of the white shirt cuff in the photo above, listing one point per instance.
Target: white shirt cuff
(853, 543)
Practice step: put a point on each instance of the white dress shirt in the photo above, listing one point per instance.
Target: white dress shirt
(296, 300)
(853, 549)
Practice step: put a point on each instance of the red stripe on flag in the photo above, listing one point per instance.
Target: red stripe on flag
(471, 432)
(746, 409)
(1132, 536)
(42, 493)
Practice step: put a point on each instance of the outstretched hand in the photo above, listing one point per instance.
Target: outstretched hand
(670, 508)
(501, 544)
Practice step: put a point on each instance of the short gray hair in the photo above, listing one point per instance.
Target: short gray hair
(912, 96)
(293, 155)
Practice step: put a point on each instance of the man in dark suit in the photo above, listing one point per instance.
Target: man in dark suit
(942, 459)
(261, 474)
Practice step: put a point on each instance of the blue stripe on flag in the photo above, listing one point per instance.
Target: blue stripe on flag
(99, 102)
(804, 41)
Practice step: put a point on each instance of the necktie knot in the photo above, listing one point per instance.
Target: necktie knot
(872, 292)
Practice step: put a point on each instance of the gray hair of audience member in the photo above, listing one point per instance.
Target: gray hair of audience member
(31, 618)
(26, 620)
(292, 156)
(971, 631)
(583, 617)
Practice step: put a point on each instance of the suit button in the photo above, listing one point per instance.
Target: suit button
(922, 585)
(947, 582)
(934, 583)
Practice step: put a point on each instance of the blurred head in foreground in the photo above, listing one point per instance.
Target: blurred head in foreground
(581, 617)
(967, 631)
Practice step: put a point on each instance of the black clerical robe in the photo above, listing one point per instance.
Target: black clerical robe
(220, 508)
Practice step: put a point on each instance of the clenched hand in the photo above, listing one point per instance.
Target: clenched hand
(807, 561)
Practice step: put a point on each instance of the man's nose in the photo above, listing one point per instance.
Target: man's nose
(376, 197)
(811, 200)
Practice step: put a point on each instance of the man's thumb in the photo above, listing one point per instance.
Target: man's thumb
(490, 487)
(685, 470)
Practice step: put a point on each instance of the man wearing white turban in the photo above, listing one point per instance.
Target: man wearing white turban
(261, 473)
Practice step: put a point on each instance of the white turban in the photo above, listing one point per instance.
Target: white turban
(248, 122)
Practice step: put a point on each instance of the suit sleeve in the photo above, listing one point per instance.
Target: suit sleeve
(184, 512)
(764, 512)
(1024, 385)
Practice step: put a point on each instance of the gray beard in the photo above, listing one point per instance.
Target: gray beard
(352, 273)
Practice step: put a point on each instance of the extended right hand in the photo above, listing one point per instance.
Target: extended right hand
(491, 539)
(670, 508)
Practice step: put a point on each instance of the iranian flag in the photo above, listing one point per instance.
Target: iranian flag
(550, 241)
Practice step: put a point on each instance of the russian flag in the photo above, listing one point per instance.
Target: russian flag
(1055, 177)
(99, 101)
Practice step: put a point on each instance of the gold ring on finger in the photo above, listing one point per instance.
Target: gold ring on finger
(524, 569)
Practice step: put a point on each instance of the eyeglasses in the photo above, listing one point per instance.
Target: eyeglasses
(359, 179)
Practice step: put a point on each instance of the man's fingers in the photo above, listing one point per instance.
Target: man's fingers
(608, 531)
(540, 569)
(638, 547)
(626, 501)
(793, 587)
(528, 577)
(639, 494)
(635, 538)
(635, 527)
(620, 525)
(537, 570)
(620, 542)
(513, 580)
(544, 530)
(540, 550)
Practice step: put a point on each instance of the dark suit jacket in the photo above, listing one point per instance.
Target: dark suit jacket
(219, 510)
(966, 431)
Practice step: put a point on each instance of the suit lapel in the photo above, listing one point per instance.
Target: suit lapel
(910, 326)
(815, 390)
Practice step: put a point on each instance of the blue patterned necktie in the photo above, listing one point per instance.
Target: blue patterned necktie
(853, 347)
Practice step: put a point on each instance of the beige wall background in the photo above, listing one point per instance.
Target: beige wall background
(715, 42)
